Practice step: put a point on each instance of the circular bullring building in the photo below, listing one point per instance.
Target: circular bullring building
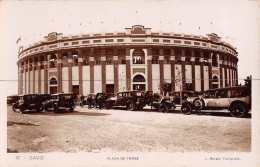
(135, 59)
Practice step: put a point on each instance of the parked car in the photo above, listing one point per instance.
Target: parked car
(12, 99)
(176, 98)
(61, 102)
(28, 102)
(236, 99)
(163, 104)
(132, 100)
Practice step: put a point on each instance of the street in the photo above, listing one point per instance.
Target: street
(94, 130)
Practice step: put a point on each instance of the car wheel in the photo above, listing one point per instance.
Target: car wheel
(186, 108)
(130, 106)
(14, 109)
(81, 105)
(55, 109)
(22, 111)
(163, 108)
(238, 110)
(107, 106)
(71, 109)
(199, 104)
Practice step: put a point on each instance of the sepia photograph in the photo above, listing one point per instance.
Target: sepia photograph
(130, 83)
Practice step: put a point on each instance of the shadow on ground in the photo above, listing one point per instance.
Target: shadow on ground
(10, 123)
(68, 113)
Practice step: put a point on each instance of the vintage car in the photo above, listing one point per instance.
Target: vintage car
(132, 100)
(61, 102)
(236, 99)
(176, 97)
(28, 102)
(12, 99)
(162, 104)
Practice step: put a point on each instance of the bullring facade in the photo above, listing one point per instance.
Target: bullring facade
(134, 59)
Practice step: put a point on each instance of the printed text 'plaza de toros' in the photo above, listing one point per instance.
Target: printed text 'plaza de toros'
(118, 61)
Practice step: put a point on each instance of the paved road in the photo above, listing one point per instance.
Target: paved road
(103, 130)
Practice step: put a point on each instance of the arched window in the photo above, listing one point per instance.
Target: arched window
(139, 78)
(53, 81)
(215, 79)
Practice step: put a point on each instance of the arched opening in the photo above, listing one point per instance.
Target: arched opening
(53, 85)
(139, 82)
(215, 82)
(138, 56)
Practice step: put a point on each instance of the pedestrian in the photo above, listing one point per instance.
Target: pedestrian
(82, 100)
(99, 100)
(89, 100)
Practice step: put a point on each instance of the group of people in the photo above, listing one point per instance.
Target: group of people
(92, 101)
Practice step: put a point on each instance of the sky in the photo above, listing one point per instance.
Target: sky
(236, 22)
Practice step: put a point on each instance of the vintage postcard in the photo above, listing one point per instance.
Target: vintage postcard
(129, 83)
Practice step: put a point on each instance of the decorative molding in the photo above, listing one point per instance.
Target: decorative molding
(138, 70)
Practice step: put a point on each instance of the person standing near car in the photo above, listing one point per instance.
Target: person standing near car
(89, 100)
(81, 100)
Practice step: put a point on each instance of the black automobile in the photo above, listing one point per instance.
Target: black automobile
(162, 104)
(176, 96)
(132, 100)
(12, 99)
(28, 102)
(61, 102)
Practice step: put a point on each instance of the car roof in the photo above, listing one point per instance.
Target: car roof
(228, 88)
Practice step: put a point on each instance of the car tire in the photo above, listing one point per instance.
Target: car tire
(238, 110)
(107, 106)
(71, 109)
(81, 105)
(130, 106)
(198, 104)
(163, 108)
(186, 108)
(55, 109)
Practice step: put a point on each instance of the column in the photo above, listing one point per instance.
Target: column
(225, 70)
(39, 76)
(70, 61)
(25, 78)
(115, 61)
(45, 63)
(20, 80)
(193, 69)
(128, 70)
(59, 71)
(210, 70)
(103, 73)
(80, 61)
(172, 59)
(221, 73)
(183, 73)
(33, 82)
(29, 77)
(230, 74)
(202, 70)
(149, 69)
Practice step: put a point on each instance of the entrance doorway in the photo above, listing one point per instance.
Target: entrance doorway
(75, 89)
(110, 88)
(53, 86)
(139, 83)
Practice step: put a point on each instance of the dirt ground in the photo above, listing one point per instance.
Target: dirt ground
(94, 130)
